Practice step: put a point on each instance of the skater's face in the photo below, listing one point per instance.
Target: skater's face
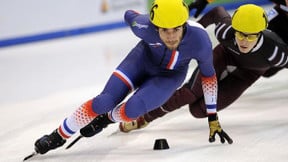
(171, 37)
(246, 41)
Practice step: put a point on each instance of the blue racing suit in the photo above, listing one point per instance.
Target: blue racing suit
(151, 68)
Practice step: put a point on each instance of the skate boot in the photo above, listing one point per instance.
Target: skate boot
(49, 142)
(96, 125)
(139, 123)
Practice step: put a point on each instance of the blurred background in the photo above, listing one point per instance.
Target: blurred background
(33, 20)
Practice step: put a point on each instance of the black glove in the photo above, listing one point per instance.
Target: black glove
(279, 2)
(271, 72)
(95, 126)
(199, 5)
(215, 128)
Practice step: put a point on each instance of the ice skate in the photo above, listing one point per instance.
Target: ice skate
(139, 123)
(96, 126)
(49, 142)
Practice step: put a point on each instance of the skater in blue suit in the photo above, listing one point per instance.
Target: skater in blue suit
(152, 70)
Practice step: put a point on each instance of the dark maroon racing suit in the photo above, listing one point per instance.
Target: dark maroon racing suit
(278, 21)
(235, 71)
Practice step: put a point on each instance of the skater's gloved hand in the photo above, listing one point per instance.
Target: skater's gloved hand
(199, 5)
(215, 128)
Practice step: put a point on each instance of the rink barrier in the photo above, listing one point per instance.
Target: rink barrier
(92, 29)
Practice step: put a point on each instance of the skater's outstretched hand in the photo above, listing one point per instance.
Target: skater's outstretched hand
(215, 128)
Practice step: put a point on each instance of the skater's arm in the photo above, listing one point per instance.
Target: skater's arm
(199, 5)
(215, 16)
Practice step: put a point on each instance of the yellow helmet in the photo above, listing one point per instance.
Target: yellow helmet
(169, 13)
(249, 18)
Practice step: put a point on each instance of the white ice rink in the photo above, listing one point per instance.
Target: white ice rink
(42, 83)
